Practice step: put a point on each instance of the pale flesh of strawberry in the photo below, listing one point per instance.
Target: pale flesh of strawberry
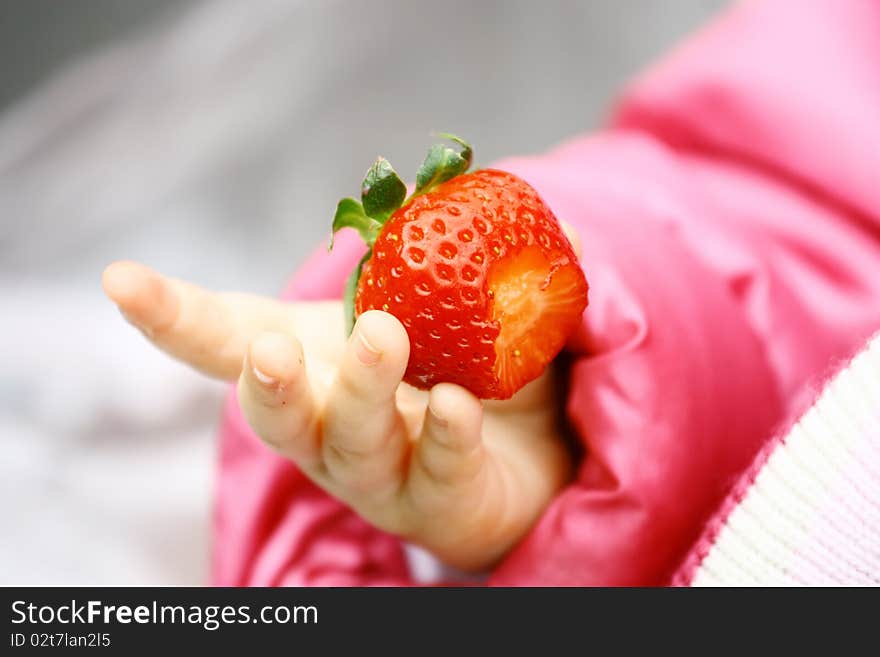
(536, 303)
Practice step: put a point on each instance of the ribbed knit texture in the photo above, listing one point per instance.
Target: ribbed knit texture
(808, 513)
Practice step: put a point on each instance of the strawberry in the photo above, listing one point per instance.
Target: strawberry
(474, 265)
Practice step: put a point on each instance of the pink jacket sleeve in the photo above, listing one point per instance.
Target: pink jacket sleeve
(730, 220)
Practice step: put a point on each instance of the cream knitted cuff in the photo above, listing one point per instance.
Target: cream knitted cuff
(809, 511)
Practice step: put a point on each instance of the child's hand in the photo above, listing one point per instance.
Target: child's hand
(463, 479)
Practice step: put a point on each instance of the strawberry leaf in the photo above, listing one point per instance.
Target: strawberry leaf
(351, 285)
(382, 191)
(350, 214)
(443, 163)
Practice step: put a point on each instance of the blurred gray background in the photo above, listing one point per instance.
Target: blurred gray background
(211, 140)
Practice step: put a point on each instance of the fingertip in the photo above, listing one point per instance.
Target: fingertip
(121, 279)
(275, 397)
(275, 359)
(452, 405)
(378, 335)
(449, 448)
(141, 294)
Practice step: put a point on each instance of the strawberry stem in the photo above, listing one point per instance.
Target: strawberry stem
(441, 164)
(350, 214)
(348, 295)
(382, 193)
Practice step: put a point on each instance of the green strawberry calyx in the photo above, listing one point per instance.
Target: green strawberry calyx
(383, 192)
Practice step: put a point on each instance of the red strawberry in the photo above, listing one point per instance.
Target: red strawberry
(475, 266)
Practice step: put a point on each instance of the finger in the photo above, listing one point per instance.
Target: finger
(573, 237)
(209, 331)
(276, 398)
(450, 450)
(363, 433)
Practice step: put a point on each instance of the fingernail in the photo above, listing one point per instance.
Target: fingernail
(264, 378)
(437, 419)
(366, 353)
